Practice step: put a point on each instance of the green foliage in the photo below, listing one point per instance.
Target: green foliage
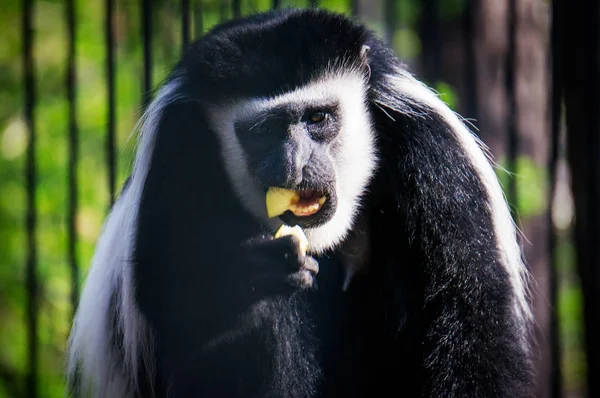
(448, 94)
(531, 185)
(407, 43)
(408, 13)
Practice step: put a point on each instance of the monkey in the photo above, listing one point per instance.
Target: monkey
(407, 278)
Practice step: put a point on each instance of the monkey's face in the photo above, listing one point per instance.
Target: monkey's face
(292, 146)
(316, 140)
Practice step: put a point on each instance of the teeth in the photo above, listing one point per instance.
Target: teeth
(306, 210)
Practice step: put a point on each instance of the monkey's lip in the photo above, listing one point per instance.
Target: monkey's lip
(308, 202)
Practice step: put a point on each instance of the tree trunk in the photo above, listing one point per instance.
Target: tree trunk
(530, 110)
(533, 132)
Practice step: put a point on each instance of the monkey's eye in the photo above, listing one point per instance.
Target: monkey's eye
(317, 117)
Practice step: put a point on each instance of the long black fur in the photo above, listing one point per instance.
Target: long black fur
(430, 315)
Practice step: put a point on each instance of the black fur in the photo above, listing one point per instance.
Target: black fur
(430, 314)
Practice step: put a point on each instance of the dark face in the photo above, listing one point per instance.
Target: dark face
(291, 146)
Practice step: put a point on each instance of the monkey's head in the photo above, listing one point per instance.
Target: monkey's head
(294, 115)
(292, 145)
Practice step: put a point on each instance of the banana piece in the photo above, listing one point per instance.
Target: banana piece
(296, 231)
(279, 201)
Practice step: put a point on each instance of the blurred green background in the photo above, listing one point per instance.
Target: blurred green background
(51, 122)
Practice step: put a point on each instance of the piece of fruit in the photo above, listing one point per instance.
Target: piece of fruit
(296, 231)
(279, 200)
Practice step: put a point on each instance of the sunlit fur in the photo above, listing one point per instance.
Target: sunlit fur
(91, 365)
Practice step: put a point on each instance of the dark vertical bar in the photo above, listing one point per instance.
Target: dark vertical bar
(580, 83)
(555, 108)
(353, 4)
(430, 36)
(252, 6)
(110, 85)
(198, 19)
(31, 217)
(185, 23)
(222, 10)
(73, 158)
(580, 79)
(146, 14)
(389, 19)
(313, 3)
(275, 4)
(511, 97)
(236, 8)
(472, 109)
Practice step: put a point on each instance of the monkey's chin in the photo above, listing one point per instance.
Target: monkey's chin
(321, 216)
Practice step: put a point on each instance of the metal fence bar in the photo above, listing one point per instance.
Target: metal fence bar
(198, 19)
(73, 157)
(146, 15)
(389, 20)
(353, 4)
(472, 110)
(185, 23)
(236, 8)
(31, 216)
(110, 101)
(223, 10)
(511, 99)
(430, 35)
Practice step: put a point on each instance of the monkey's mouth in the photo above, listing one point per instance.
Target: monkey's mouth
(301, 202)
(317, 215)
(304, 207)
(307, 203)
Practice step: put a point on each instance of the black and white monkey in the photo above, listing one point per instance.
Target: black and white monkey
(413, 283)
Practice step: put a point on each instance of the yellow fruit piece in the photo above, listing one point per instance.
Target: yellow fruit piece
(279, 201)
(296, 231)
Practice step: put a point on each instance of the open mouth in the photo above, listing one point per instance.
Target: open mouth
(308, 202)
(301, 203)
(307, 208)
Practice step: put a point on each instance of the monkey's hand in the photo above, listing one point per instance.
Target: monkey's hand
(279, 265)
